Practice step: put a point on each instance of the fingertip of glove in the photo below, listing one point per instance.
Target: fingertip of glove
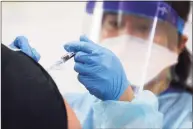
(70, 44)
(12, 45)
(19, 38)
(84, 38)
(67, 47)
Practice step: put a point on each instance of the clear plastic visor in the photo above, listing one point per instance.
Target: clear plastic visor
(144, 35)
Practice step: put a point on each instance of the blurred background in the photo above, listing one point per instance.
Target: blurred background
(48, 26)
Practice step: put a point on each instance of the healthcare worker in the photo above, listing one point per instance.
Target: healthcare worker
(148, 39)
(126, 27)
(30, 98)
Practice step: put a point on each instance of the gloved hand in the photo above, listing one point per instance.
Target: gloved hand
(22, 43)
(100, 71)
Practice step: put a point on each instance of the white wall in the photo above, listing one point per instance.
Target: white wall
(48, 25)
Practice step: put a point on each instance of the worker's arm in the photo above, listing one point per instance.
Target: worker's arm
(128, 95)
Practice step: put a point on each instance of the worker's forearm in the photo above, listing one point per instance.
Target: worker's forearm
(128, 95)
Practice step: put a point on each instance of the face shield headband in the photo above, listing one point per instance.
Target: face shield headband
(151, 9)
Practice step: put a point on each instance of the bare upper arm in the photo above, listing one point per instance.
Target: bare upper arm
(73, 122)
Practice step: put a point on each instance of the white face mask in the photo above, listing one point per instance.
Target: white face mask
(141, 60)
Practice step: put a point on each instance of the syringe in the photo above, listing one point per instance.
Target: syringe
(62, 60)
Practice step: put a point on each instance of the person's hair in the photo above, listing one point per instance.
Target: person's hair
(181, 70)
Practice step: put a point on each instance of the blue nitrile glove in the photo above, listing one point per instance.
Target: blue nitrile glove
(22, 43)
(100, 71)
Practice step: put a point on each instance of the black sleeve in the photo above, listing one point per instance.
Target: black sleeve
(30, 98)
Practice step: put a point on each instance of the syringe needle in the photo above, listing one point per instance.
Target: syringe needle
(68, 56)
(62, 60)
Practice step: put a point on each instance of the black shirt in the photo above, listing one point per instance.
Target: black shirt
(30, 98)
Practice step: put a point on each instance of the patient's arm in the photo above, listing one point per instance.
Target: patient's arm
(128, 95)
(73, 122)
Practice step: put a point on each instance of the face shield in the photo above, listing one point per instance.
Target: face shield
(143, 35)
